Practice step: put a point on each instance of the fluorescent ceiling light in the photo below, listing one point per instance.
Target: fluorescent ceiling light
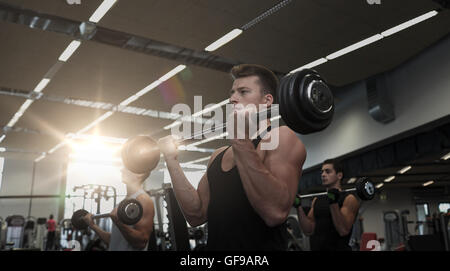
(25, 105)
(198, 160)
(192, 166)
(173, 72)
(203, 150)
(39, 158)
(185, 165)
(176, 123)
(354, 47)
(193, 148)
(445, 157)
(57, 147)
(313, 64)
(148, 88)
(101, 10)
(352, 180)
(95, 122)
(389, 179)
(428, 183)
(2, 138)
(223, 40)
(2, 149)
(368, 40)
(403, 170)
(129, 100)
(197, 114)
(41, 85)
(222, 135)
(14, 120)
(211, 108)
(19, 113)
(73, 46)
(409, 23)
(104, 116)
(379, 185)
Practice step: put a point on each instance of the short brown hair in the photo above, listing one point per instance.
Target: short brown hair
(267, 79)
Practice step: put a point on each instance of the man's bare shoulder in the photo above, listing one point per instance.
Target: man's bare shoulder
(351, 200)
(288, 138)
(290, 148)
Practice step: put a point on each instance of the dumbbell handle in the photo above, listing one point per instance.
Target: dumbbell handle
(323, 193)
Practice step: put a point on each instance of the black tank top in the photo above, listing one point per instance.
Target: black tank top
(233, 224)
(325, 235)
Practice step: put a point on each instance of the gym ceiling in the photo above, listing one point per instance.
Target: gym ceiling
(296, 33)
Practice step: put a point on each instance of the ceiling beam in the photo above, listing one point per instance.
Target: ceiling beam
(52, 23)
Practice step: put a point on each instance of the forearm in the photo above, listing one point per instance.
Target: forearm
(187, 196)
(268, 196)
(135, 238)
(105, 236)
(306, 223)
(340, 223)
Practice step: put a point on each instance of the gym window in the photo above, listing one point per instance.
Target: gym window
(80, 174)
(93, 164)
(444, 207)
(422, 212)
(2, 161)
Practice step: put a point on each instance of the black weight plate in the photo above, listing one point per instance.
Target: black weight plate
(365, 189)
(129, 211)
(77, 219)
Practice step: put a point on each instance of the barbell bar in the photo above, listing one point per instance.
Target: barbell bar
(364, 188)
(305, 103)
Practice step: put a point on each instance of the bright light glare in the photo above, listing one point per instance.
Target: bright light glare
(95, 150)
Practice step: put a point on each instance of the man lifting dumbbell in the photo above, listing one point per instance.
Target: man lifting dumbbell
(246, 193)
(330, 219)
(125, 237)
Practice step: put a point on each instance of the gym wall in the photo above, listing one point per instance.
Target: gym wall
(17, 180)
(395, 199)
(419, 90)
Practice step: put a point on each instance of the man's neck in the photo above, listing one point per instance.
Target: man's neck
(262, 127)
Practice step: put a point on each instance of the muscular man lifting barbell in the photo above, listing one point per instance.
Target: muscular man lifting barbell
(133, 234)
(246, 193)
(330, 219)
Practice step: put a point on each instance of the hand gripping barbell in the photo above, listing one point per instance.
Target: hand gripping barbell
(129, 212)
(306, 104)
(364, 188)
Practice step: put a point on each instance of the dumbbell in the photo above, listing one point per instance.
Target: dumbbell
(129, 212)
(364, 188)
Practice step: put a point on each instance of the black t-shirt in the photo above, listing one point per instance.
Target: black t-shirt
(233, 224)
(325, 235)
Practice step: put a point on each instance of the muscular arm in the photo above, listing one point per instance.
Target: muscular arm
(271, 186)
(344, 217)
(307, 222)
(138, 236)
(193, 203)
(105, 236)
